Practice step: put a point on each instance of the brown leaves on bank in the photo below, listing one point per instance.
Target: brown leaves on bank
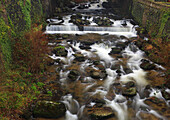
(29, 51)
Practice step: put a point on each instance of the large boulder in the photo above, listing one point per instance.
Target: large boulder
(49, 109)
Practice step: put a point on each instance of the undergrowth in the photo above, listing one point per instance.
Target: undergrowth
(29, 51)
(19, 86)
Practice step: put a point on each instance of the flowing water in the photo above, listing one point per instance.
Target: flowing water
(102, 76)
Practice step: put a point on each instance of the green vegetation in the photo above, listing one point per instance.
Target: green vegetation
(5, 43)
(164, 22)
(22, 49)
(26, 9)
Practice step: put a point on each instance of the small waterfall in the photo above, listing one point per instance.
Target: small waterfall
(109, 29)
(62, 28)
(87, 28)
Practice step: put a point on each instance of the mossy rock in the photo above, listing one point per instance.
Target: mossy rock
(49, 109)
(115, 51)
(60, 51)
(73, 75)
(101, 113)
(146, 65)
(98, 74)
(166, 95)
(130, 92)
(79, 57)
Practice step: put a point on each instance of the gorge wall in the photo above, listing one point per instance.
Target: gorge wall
(153, 16)
(16, 18)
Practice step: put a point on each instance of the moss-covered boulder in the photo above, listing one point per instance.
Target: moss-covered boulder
(101, 113)
(129, 91)
(49, 109)
(60, 51)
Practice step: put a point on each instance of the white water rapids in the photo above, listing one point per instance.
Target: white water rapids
(101, 50)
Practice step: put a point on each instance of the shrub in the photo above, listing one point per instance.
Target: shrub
(29, 51)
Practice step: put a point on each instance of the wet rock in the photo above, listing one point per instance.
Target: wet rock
(158, 105)
(79, 57)
(154, 101)
(130, 92)
(102, 21)
(60, 51)
(106, 4)
(83, 6)
(146, 92)
(130, 84)
(73, 75)
(96, 62)
(124, 23)
(123, 37)
(166, 95)
(85, 47)
(115, 67)
(115, 51)
(128, 70)
(98, 74)
(100, 113)
(147, 116)
(133, 48)
(121, 45)
(49, 109)
(88, 42)
(146, 65)
(117, 87)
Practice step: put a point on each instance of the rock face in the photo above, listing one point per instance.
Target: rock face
(49, 109)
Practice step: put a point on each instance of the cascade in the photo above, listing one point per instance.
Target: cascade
(102, 70)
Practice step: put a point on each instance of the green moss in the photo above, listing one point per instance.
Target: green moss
(5, 43)
(163, 21)
(26, 8)
(36, 11)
